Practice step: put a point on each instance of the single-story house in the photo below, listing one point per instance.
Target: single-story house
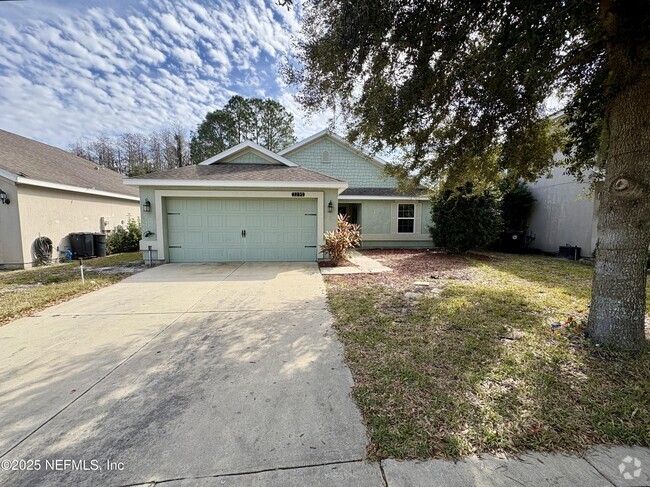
(565, 213)
(250, 204)
(48, 192)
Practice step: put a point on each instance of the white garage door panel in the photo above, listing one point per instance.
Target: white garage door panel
(210, 229)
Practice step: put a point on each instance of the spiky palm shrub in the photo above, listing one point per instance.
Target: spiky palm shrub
(338, 242)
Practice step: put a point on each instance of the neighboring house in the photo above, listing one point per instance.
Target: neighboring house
(564, 213)
(48, 192)
(250, 204)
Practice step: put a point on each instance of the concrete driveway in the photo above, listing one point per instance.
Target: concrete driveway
(191, 374)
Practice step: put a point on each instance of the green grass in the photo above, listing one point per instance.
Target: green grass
(25, 291)
(128, 258)
(477, 368)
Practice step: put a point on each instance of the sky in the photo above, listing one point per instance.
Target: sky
(72, 69)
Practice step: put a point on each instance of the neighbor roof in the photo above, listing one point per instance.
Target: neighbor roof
(232, 174)
(26, 161)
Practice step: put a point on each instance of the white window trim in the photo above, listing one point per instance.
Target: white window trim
(161, 230)
(406, 218)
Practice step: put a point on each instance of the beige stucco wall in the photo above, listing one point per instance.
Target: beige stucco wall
(55, 214)
(10, 247)
(563, 213)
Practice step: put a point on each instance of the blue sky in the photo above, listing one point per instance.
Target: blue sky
(75, 69)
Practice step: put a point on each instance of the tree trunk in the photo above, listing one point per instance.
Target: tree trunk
(618, 304)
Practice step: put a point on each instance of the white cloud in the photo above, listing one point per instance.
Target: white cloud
(170, 24)
(188, 56)
(306, 124)
(71, 71)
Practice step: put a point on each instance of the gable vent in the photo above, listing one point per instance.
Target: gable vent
(325, 157)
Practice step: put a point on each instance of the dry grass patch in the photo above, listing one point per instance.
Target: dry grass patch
(472, 364)
(25, 291)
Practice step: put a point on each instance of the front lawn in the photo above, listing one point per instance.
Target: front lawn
(469, 363)
(25, 291)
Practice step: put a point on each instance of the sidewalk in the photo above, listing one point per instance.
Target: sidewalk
(600, 467)
(616, 466)
(362, 265)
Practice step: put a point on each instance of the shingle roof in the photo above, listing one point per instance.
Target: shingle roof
(388, 192)
(35, 160)
(242, 172)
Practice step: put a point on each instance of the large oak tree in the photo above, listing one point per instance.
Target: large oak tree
(460, 86)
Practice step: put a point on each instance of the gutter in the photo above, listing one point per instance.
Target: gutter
(204, 183)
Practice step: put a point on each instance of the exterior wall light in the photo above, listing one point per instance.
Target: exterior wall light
(330, 207)
(146, 207)
(3, 198)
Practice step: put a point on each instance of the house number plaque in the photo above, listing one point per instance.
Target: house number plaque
(298, 194)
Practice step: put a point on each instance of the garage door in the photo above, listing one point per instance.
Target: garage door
(231, 229)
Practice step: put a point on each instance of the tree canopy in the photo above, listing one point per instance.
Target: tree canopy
(462, 88)
(134, 154)
(461, 85)
(263, 121)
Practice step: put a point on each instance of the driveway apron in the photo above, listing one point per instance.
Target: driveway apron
(182, 372)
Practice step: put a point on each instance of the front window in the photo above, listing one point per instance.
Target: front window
(406, 218)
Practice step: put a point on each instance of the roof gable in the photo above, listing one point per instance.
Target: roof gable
(330, 154)
(253, 151)
(337, 139)
(249, 156)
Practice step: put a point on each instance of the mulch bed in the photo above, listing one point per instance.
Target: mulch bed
(329, 263)
(411, 265)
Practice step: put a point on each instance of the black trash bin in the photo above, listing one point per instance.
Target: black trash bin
(99, 242)
(82, 245)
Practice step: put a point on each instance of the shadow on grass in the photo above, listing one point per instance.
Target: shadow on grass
(569, 277)
(477, 369)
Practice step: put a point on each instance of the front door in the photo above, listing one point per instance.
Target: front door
(352, 210)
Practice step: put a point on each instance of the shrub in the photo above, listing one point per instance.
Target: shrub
(346, 236)
(125, 239)
(516, 204)
(463, 220)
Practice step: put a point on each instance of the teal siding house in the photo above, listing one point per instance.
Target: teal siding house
(250, 204)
